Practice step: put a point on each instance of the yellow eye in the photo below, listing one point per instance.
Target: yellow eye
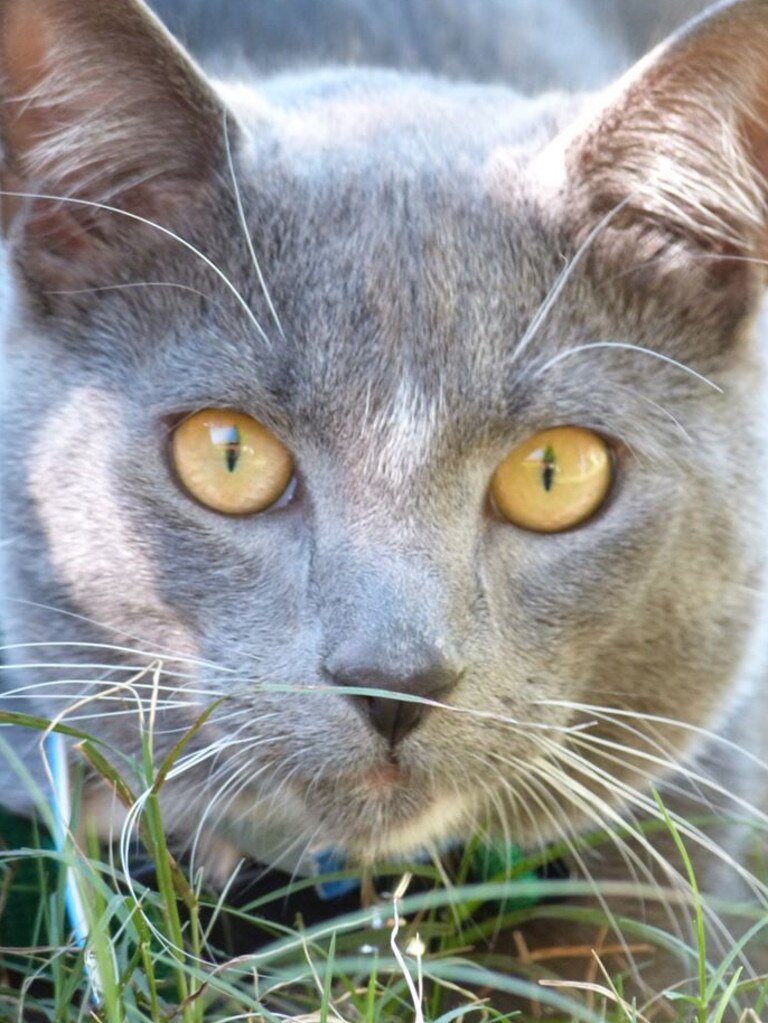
(229, 462)
(554, 480)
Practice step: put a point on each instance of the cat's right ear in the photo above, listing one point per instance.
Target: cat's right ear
(100, 106)
(673, 161)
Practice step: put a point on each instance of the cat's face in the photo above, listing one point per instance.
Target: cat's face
(428, 288)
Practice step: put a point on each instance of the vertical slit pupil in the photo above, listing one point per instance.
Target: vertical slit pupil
(227, 438)
(232, 456)
(549, 463)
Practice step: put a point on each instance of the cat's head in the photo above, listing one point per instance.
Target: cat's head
(402, 281)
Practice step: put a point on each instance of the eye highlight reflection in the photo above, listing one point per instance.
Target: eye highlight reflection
(230, 462)
(554, 481)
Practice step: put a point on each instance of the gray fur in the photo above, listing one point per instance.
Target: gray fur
(408, 230)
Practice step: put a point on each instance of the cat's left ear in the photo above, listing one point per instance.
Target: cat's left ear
(674, 162)
(99, 105)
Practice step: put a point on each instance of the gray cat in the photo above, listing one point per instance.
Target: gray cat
(423, 421)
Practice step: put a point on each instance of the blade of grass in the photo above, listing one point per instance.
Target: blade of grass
(701, 933)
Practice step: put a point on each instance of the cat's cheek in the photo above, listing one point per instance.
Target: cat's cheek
(96, 554)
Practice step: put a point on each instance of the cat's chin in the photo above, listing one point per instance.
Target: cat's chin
(383, 812)
(386, 811)
(398, 834)
(441, 821)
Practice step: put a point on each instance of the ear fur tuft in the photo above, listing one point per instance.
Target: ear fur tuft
(97, 96)
(101, 105)
(682, 141)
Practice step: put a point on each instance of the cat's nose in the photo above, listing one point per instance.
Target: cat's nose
(391, 717)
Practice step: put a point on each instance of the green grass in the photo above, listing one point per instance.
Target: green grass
(417, 955)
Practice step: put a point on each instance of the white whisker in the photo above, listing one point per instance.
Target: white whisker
(562, 279)
(247, 233)
(660, 719)
(157, 227)
(623, 346)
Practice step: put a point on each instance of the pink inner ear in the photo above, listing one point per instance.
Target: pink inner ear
(756, 135)
(682, 141)
(25, 62)
(100, 105)
(729, 61)
(24, 47)
(24, 59)
(98, 98)
(33, 112)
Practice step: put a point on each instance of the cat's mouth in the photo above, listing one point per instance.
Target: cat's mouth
(383, 777)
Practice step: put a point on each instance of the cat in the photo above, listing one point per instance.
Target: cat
(331, 388)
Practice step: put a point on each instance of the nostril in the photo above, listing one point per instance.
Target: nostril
(394, 719)
(391, 717)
